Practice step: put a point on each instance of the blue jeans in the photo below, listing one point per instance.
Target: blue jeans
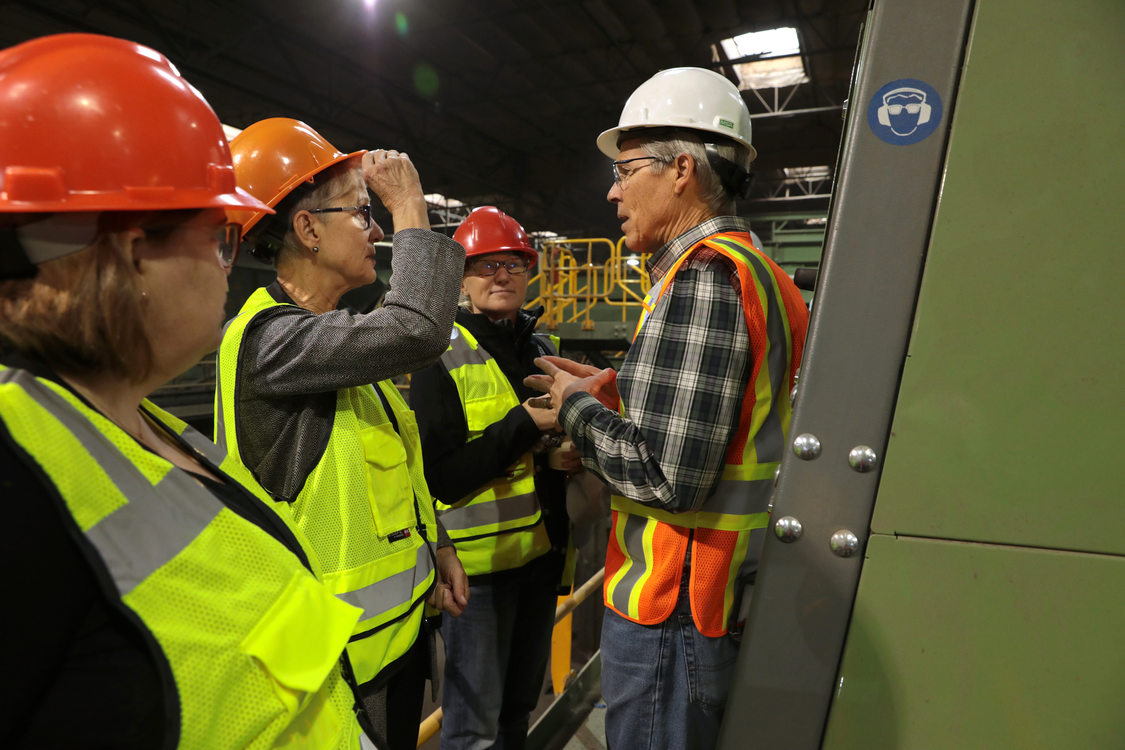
(664, 685)
(495, 659)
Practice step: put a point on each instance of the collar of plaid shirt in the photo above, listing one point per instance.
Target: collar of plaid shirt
(663, 258)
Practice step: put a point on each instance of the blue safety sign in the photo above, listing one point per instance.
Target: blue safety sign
(905, 111)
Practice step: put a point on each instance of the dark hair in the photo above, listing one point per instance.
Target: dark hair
(81, 313)
(84, 312)
(273, 235)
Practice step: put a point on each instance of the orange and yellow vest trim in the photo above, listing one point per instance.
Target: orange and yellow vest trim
(648, 547)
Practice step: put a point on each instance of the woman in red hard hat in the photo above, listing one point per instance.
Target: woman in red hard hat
(152, 589)
(500, 497)
(298, 408)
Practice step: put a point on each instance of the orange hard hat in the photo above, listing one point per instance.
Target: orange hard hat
(489, 230)
(274, 156)
(94, 123)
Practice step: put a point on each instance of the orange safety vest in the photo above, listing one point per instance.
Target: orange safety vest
(648, 546)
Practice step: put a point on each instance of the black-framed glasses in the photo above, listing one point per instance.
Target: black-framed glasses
(490, 267)
(364, 212)
(229, 236)
(621, 176)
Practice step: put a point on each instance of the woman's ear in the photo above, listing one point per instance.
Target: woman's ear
(307, 229)
(129, 242)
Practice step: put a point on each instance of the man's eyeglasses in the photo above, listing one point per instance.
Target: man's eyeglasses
(228, 236)
(364, 212)
(621, 176)
(490, 267)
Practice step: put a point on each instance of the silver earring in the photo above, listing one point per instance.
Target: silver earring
(316, 249)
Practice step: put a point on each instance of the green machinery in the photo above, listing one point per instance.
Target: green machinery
(946, 567)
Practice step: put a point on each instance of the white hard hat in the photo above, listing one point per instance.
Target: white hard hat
(689, 98)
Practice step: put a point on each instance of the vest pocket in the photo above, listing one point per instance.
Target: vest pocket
(298, 641)
(389, 489)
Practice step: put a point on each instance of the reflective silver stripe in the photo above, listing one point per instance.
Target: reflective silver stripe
(197, 440)
(753, 552)
(738, 497)
(220, 407)
(634, 546)
(490, 514)
(156, 524)
(461, 353)
(770, 438)
(383, 596)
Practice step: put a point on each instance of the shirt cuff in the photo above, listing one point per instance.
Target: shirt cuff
(576, 411)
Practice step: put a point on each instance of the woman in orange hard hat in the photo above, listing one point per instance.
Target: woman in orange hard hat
(306, 403)
(152, 588)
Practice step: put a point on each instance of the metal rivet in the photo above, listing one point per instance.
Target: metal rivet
(788, 529)
(776, 475)
(844, 543)
(806, 446)
(862, 458)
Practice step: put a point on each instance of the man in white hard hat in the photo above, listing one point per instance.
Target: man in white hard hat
(690, 445)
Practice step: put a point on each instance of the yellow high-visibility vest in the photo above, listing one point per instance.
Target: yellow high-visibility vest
(365, 506)
(251, 638)
(500, 526)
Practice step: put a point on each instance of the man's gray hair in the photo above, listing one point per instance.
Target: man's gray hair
(666, 146)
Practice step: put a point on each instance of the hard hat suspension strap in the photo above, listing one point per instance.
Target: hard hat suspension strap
(735, 180)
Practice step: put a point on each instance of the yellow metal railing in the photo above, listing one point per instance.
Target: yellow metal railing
(577, 275)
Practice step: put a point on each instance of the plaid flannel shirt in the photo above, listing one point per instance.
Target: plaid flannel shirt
(682, 384)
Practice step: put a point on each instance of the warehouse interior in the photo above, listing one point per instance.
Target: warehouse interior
(945, 522)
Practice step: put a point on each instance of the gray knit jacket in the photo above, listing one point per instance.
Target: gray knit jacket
(292, 361)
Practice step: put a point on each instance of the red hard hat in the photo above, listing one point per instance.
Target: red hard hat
(94, 123)
(489, 230)
(274, 156)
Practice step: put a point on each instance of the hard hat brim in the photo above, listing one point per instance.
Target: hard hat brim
(607, 141)
(291, 184)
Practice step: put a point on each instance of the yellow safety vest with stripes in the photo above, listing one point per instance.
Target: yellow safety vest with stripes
(648, 546)
(221, 598)
(499, 527)
(365, 506)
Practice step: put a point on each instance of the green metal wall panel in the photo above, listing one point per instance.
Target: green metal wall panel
(964, 645)
(1008, 427)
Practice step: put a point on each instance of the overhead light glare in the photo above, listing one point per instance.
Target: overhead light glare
(779, 58)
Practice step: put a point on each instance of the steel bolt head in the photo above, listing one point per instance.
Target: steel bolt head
(788, 529)
(844, 543)
(862, 458)
(806, 446)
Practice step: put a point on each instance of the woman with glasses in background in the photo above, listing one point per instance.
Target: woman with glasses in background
(305, 400)
(152, 590)
(500, 490)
